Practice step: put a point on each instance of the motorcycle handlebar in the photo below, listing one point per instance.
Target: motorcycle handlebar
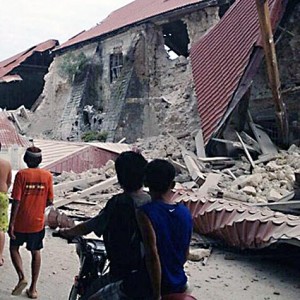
(57, 233)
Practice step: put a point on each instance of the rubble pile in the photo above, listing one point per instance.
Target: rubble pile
(164, 146)
(83, 195)
(272, 178)
(268, 182)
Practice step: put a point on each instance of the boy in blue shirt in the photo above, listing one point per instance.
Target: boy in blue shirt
(166, 228)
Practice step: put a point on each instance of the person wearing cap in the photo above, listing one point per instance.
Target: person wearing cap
(5, 182)
(32, 193)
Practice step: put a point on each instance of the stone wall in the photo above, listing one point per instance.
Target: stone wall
(161, 96)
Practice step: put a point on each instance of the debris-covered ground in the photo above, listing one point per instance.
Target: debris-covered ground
(226, 275)
(215, 270)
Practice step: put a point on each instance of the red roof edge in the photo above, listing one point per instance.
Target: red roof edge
(11, 63)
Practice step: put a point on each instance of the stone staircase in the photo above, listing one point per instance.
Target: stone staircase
(69, 115)
(117, 101)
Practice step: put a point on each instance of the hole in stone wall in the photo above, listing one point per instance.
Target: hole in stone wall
(85, 117)
(176, 38)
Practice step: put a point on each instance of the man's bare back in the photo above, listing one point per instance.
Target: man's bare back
(5, 182)
(5, 175)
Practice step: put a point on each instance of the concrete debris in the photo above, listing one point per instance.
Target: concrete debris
(198, 254)
(268, 182)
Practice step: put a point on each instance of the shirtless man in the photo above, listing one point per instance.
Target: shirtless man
(5, 182)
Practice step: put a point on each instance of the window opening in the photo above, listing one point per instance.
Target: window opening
(116, 63)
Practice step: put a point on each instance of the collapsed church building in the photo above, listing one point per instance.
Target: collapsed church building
(154, 68)
(191, 70)
(118, 78)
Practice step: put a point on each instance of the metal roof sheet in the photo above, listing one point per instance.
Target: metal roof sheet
(112, 147)
(10, 78)
(59, 156)
(220, 58)
(241, 225)
(9, 135)
(11, 63)
(55, 150)
(130, 14)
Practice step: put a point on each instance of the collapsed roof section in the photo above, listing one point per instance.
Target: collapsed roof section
(220, 60)
(9, 135)
(61, 156)
(7, 66)
(139, 11)
(241, 225)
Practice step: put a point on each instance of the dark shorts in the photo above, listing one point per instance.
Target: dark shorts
(34, 241)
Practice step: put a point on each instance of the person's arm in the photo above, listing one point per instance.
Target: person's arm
(50, 195)
(8, 180)
(96, 225)
(13, 214)
(49, 202)
(151, 253)
(80, 229)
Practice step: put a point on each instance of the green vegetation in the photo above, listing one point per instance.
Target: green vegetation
(94, 136)
(73, 65)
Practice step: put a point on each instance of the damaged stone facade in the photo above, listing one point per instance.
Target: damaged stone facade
(129, 86)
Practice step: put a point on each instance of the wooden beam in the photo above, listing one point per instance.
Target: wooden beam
(200, 148)
(95, 188)
(246, 151)
(211, 181)
(272, 67)
(80, 195)
(265, 143)
(67, 186)
(193, 168)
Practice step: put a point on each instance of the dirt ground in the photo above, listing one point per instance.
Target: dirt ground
(226, 276)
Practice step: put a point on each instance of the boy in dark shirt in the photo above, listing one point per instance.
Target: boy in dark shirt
(117, 223)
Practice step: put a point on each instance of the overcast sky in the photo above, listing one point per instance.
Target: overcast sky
(25, 23)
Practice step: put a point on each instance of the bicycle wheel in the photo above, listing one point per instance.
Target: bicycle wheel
(73, 293)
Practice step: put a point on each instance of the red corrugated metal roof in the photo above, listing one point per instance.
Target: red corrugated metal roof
(8, 133)
(9, 64)
(219, 60)
(239, 224)
(129, 14)
(59, 156)
(84, 159)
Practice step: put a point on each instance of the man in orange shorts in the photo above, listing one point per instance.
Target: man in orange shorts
(32, 193)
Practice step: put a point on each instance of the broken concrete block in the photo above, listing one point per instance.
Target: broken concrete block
(198, 254)
(273, 166)
(293, 148)
(249, 190)
(273, 196)
(252, 180)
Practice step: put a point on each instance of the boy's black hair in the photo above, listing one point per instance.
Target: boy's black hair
(159, 175)
(33, 157)
(130, 167)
